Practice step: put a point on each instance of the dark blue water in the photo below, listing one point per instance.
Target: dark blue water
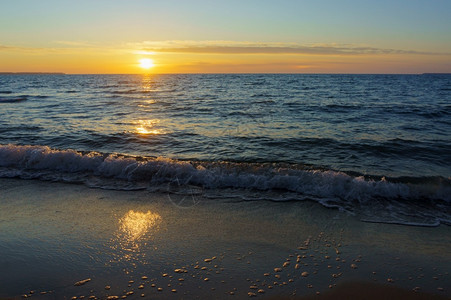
(361, 143)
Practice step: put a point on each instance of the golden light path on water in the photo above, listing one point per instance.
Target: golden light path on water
(135, 230)
(147, 127)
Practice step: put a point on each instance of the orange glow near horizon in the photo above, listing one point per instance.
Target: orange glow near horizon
(129, 61)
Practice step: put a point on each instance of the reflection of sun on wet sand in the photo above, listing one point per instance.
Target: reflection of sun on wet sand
(134, 232)
(135, 225)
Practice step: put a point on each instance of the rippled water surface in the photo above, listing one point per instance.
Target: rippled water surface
(337, 138)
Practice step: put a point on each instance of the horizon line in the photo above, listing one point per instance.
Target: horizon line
(220, 73)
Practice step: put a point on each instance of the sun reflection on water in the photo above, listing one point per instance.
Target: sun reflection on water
(147, 127)
(135, 231)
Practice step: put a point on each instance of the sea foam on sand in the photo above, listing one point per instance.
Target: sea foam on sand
(65, 240)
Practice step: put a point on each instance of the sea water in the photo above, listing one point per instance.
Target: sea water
(377, 146)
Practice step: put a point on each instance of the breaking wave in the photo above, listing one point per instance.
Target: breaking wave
(418, 201)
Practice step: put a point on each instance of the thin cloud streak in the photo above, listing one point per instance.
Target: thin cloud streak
(231, 47)
(218, 47)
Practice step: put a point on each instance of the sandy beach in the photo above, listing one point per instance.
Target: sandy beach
(67, 241)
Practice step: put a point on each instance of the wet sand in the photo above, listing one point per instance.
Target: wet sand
(60, 241)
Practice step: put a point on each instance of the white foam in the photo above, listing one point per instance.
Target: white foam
(33, 161)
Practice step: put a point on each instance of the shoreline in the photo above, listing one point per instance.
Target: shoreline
(54, 235)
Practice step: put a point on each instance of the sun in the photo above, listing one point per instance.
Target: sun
(146, 63)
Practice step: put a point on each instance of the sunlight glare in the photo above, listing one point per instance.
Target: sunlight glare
(146, 63)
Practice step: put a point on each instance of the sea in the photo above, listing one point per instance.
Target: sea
(375, 146)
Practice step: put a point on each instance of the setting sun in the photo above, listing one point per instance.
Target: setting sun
(146, 63)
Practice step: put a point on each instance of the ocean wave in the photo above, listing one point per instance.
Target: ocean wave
(290, 182)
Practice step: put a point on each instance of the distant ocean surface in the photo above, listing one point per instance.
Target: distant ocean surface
(376, 146)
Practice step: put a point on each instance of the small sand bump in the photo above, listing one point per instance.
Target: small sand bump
(277, 269)
(107, 287)
(144, 278)
(353, 266)
(304, 274)
(250, 294)
(141, 287)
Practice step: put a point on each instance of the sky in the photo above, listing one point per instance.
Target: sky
(233, 36)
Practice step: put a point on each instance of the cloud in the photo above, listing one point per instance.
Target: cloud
(233, 47)
(24, 49)
(213, 47)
